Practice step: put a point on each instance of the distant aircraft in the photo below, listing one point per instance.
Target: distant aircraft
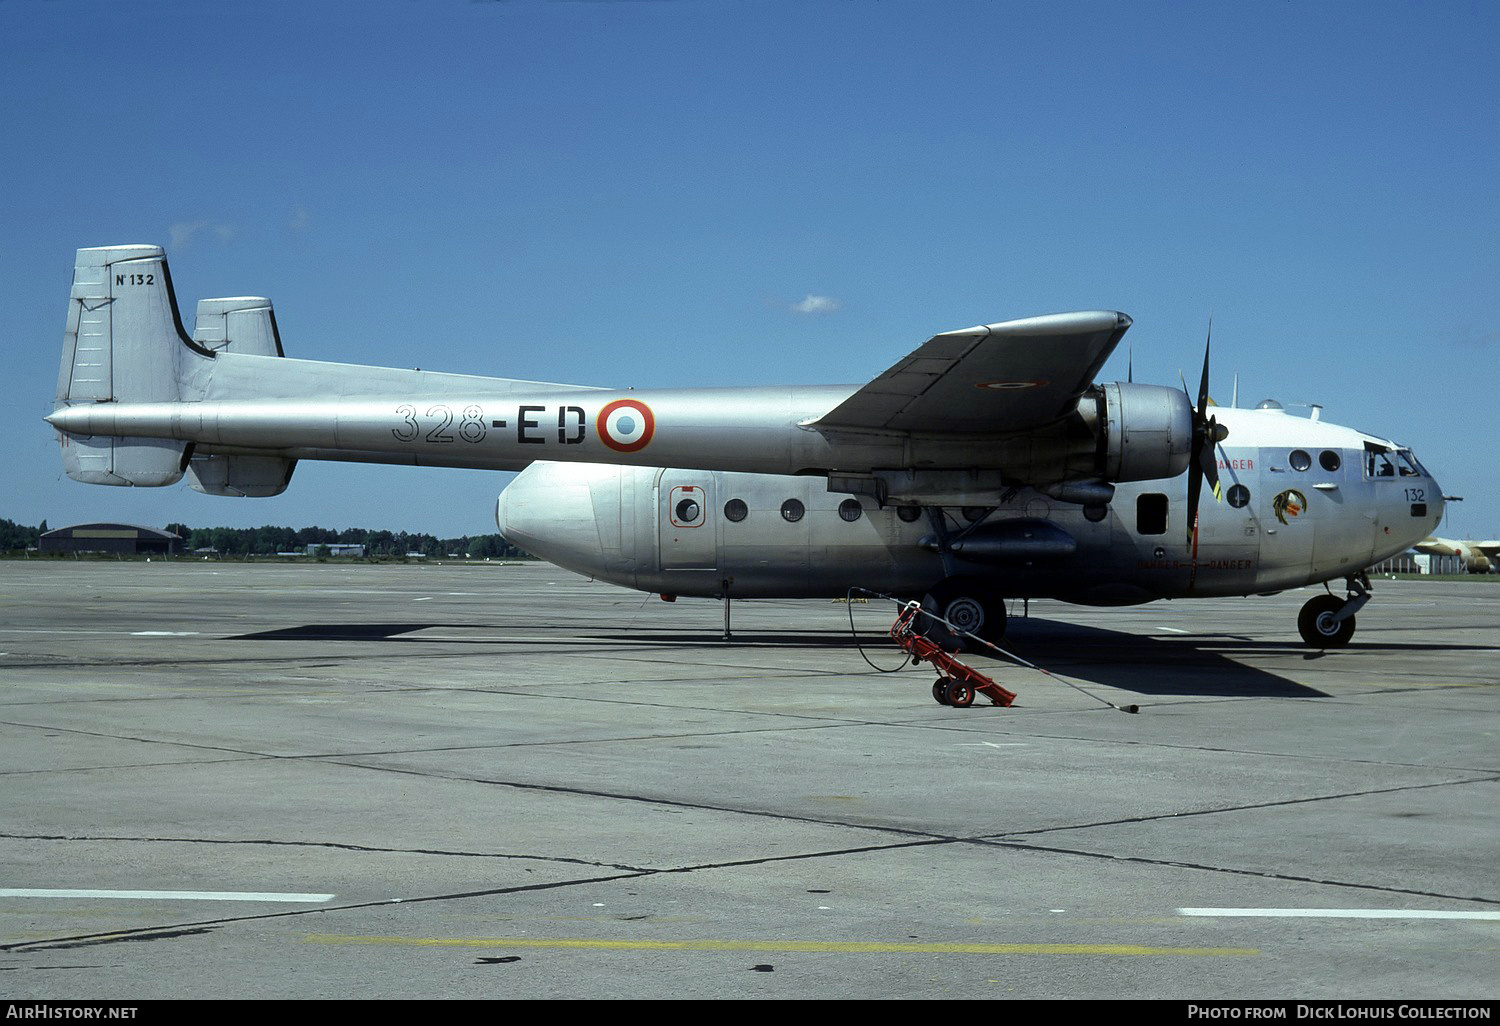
(1479, 557)
(984, 465)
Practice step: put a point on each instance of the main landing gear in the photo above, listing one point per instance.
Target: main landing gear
(970, 606)
(1328, 621)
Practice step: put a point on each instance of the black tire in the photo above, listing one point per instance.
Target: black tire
(967, 604)
(960, 694)
(1318, 628)
(940, 691)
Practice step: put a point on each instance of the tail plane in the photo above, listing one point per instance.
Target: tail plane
(125, 343)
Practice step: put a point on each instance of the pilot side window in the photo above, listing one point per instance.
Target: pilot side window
(1151, 513)
(1378, 464)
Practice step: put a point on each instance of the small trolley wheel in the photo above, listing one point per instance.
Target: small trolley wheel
(960, 694)
(940, 691)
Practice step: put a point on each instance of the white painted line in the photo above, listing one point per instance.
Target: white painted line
(427, 599)
(37, 630)
(1338, 913)
(1174, 630)
(65, 892)
(163, 634)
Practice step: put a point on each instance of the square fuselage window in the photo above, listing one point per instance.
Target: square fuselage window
(1151, 513)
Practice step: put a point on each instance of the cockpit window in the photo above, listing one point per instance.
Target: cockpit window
(1407, 465)
(1383, 462)
(1378, 464)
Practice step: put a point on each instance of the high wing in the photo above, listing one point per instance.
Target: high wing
(988, 378)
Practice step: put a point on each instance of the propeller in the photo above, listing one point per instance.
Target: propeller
(1207, 433)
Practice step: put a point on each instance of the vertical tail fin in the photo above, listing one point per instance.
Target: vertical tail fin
(124, 343)
(124, 340)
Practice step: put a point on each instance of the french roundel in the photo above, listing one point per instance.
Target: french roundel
(626, 425)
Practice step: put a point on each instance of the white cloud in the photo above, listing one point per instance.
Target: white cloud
(812, 304)
(183, 232)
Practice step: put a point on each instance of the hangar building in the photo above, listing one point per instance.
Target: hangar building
(115, 539)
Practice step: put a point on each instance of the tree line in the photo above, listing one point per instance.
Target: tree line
(269, 540)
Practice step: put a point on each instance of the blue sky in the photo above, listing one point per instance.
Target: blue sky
(717, 193)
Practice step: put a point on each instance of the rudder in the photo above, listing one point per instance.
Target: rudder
(124, 343)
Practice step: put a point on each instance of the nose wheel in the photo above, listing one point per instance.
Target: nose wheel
(1328, 621)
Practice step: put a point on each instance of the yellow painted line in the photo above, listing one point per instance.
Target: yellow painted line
(835, 947)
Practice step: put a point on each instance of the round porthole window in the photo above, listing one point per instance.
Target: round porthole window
(792, 510)
(974, 513)
(1330, 460)
(1299, 460)
(909, 514)
(1238, 496)
(688, 511)
(850, 510)
(736, 510)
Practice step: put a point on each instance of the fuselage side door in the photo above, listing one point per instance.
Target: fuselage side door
(685, 520)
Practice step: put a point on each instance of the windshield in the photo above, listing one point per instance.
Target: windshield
(1383, 462)
(1408, 465)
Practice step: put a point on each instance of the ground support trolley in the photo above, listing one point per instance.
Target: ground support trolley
(958, 683)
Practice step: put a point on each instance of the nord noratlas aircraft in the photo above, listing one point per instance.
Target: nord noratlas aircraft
(985, 465)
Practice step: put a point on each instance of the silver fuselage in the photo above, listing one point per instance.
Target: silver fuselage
(1286, 527)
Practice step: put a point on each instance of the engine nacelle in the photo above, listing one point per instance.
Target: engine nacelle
(1147, 432)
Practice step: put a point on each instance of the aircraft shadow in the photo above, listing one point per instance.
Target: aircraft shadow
(1194, 664)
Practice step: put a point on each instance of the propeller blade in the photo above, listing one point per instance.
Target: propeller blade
(1195, 489)
(1203, 462)
(1203, 384)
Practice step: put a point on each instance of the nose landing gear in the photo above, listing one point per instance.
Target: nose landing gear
(1327, 621)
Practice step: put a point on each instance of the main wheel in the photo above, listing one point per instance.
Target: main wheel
(1318, 627)
(960, 694)
(969, 606)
